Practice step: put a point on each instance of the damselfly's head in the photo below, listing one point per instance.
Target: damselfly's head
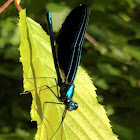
(71, 105)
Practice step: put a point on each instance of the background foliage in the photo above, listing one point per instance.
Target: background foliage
(113, 63)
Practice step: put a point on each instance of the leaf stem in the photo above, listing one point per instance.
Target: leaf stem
(91, 39)
(6, 4)
(17, 3)
(2, 8)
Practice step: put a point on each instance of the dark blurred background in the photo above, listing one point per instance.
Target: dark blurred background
(112, 61)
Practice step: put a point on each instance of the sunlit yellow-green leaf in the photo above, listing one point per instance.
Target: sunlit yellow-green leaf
(88, 122)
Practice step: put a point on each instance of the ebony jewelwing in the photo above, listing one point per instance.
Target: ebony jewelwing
(67, 54)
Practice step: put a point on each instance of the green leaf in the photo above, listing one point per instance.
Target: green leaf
(58, 12)
(88, 122)
(132, 51)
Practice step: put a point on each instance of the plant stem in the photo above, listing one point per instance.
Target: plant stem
(18, 6)
(2, 8)
(91, 39)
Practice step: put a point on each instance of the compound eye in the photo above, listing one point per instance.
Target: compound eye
(76, 106)
(68, 100)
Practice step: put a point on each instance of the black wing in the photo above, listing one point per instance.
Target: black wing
(69, 42)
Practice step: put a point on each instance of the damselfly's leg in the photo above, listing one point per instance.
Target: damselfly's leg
(40, 89)
(43, 87)
(63, 116)
(41, 78)
(57, 103)
(61, 130)
(48, 87)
